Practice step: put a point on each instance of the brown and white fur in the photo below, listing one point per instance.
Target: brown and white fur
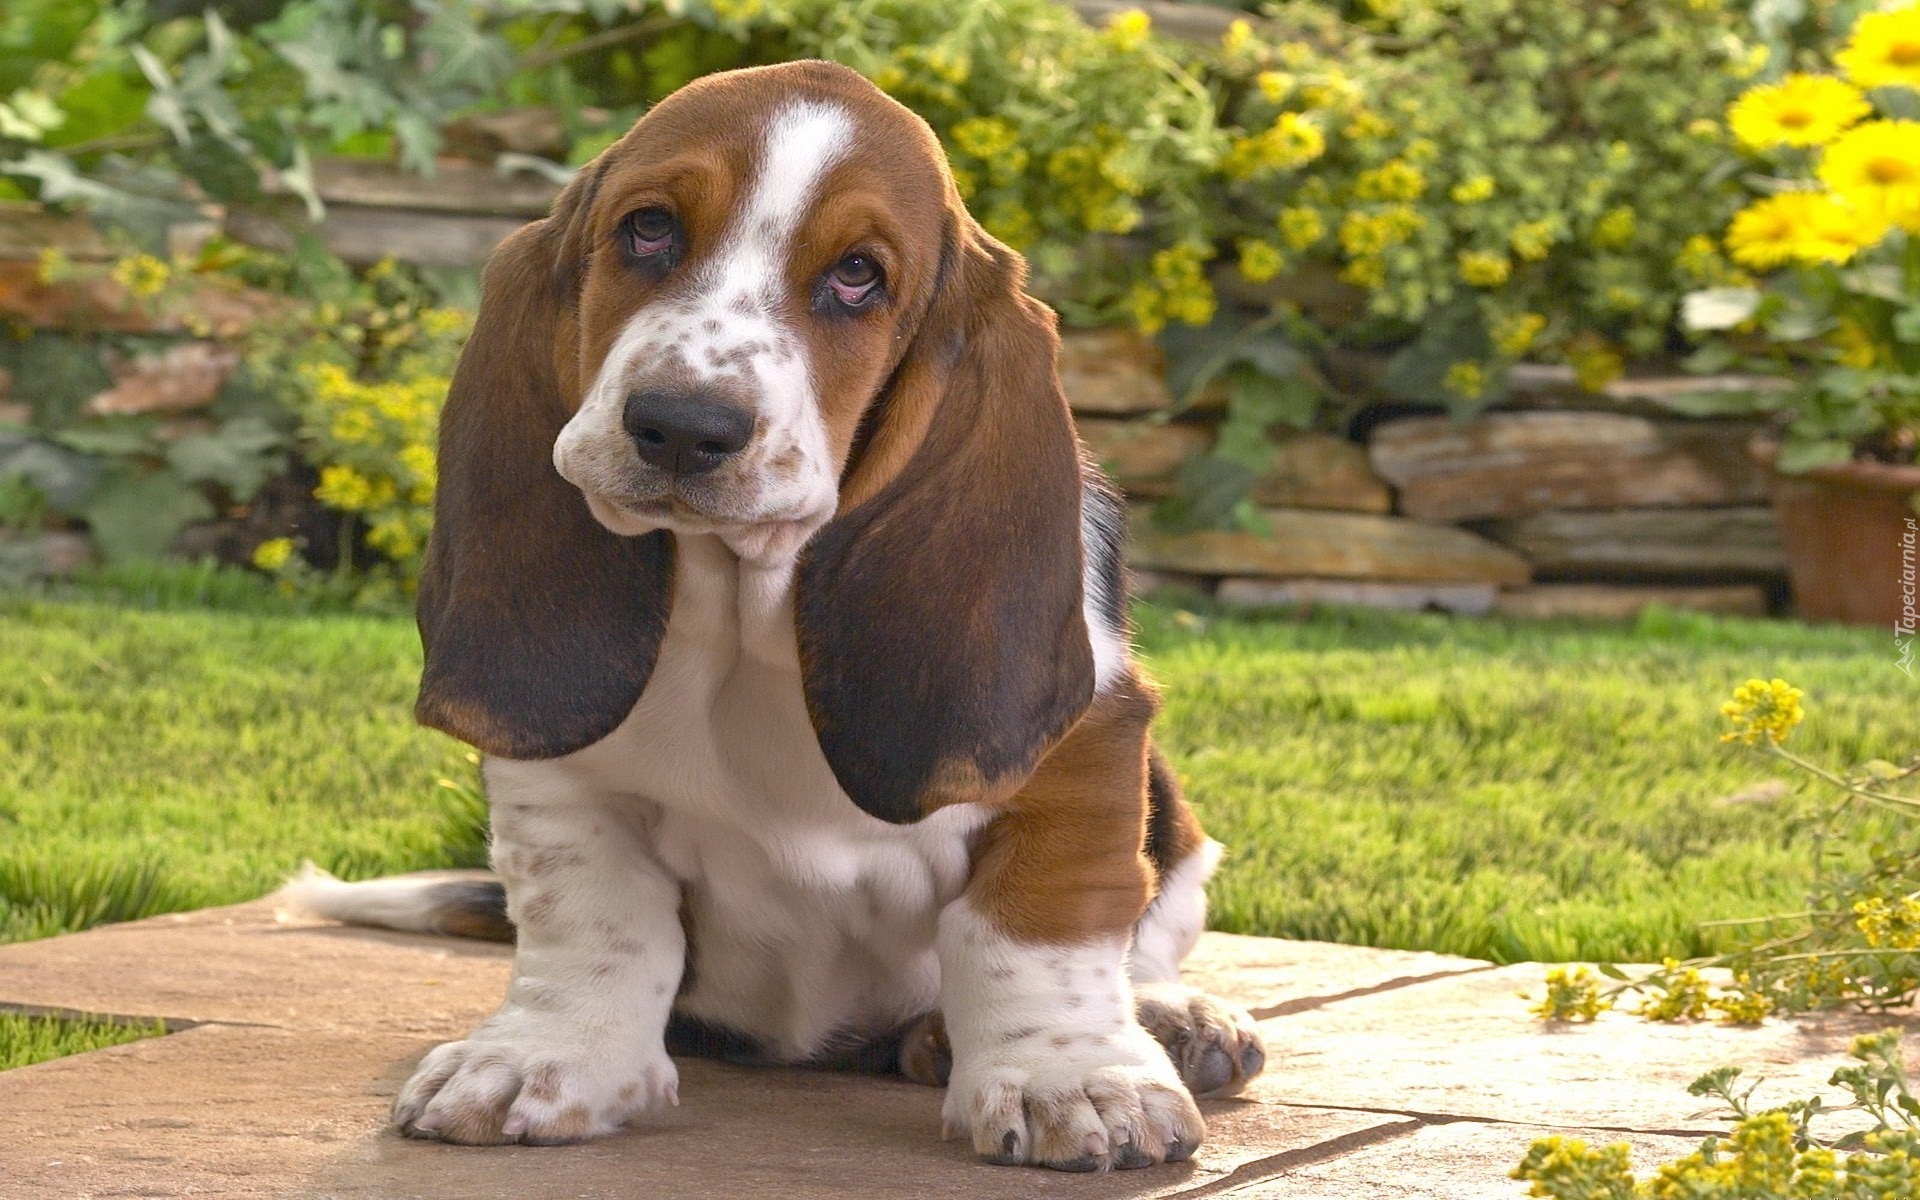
(833, 740)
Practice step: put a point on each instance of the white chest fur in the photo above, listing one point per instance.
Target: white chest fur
(808, 917)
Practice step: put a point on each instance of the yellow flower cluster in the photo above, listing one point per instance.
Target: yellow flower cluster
(1128, 30)
(1290, 142)
(1888, 925)
(1472, 190)
(1884, 50)
(1762, 708)
(1096, 184)
(1301, 226)
(1572, 995)
(1467, 380)
(1515, 335)
(1683, 995)
(1395, 179)
(1595, 363)
(1178, 290)
(1482, 268)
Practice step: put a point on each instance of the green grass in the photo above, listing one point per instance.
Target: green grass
(25, 1040)
(1509, 791)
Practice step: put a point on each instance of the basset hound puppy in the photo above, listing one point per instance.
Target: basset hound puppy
(772, 581)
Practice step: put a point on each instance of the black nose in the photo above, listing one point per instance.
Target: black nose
(687, 433)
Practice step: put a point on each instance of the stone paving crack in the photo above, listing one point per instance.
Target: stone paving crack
(1273, 1166)
(1429, 1118)
(1302, 1004)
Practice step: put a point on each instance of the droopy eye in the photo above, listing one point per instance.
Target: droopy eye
(854, 278)
(650, 231)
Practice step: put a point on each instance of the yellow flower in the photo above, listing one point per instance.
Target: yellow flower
(273, 553)
(1362, 234)
(1368, 126)
(1595, 364)
(1893, 926)
(1800, 110)
(1395, 179)
(1532, 240)
(1515, 335)
(1763, 234)
(1260, 261)
(344, 488)
(1368, 272)
(54, 265)
(1128, 30)
(1884, 50)
(986, 137)
(1473, 190)
(1855, 347)
(1615, 229)
(1274, 85)
(1238, 37)
(1807, 227)
(142, 274)
(1762, 707)
(1466, 380)
(1877, 167)
(1302, 226)
(1292, 141)
(1482, 268)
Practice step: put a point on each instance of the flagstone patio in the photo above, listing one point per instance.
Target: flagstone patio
(1389, 1075)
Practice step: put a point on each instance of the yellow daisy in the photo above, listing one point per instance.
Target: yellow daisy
(1763, 234)
(1800, 110)
(1876, 166)
(1884, 50)
(1833, 231)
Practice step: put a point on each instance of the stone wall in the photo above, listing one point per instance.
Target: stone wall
(1560, 502)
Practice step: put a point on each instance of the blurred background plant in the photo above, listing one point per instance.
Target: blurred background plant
(1835, 158)
(1454, 185)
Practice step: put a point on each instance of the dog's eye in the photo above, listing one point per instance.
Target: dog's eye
(854, 279)
(650, 231)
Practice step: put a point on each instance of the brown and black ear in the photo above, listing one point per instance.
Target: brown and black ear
(540, 626)
(939, 615)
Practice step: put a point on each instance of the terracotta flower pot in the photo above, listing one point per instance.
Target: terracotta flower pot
(1852, 539)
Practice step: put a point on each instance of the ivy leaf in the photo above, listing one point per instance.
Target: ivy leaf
(64, 477)
(137, 517)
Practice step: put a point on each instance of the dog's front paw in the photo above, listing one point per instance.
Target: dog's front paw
(1216, 1046)
(1074, 1101)
(487, 1091)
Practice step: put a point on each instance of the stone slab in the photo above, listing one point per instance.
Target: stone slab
(1112, 371)
(1465, 1046)
(313, 1028)
(1740, 542)
(1461, 1160)
(1309, 470)
(1324, 545)
(1472, 599)
(1513, 464)
(1624, 602)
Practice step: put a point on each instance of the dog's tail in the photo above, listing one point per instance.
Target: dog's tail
(461, 903)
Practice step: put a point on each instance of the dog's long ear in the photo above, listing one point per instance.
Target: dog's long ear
(540, 626)
(939, 614)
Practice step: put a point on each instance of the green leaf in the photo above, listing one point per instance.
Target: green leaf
(1611, 971)
(240, 456)
(65, 478)
(1718, 308)
(1798, 455)
(137, 517)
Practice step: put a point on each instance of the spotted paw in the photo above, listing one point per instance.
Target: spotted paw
(486, 1092)
(1216, 1047)
(1074, 1101)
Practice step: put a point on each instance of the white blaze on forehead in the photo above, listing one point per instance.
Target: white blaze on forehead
(803, 143)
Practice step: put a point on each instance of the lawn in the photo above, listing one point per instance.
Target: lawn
(1508, 791)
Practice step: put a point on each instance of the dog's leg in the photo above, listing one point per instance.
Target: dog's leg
(1050, 1065)
(578, 1046)
(1216, 1046)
